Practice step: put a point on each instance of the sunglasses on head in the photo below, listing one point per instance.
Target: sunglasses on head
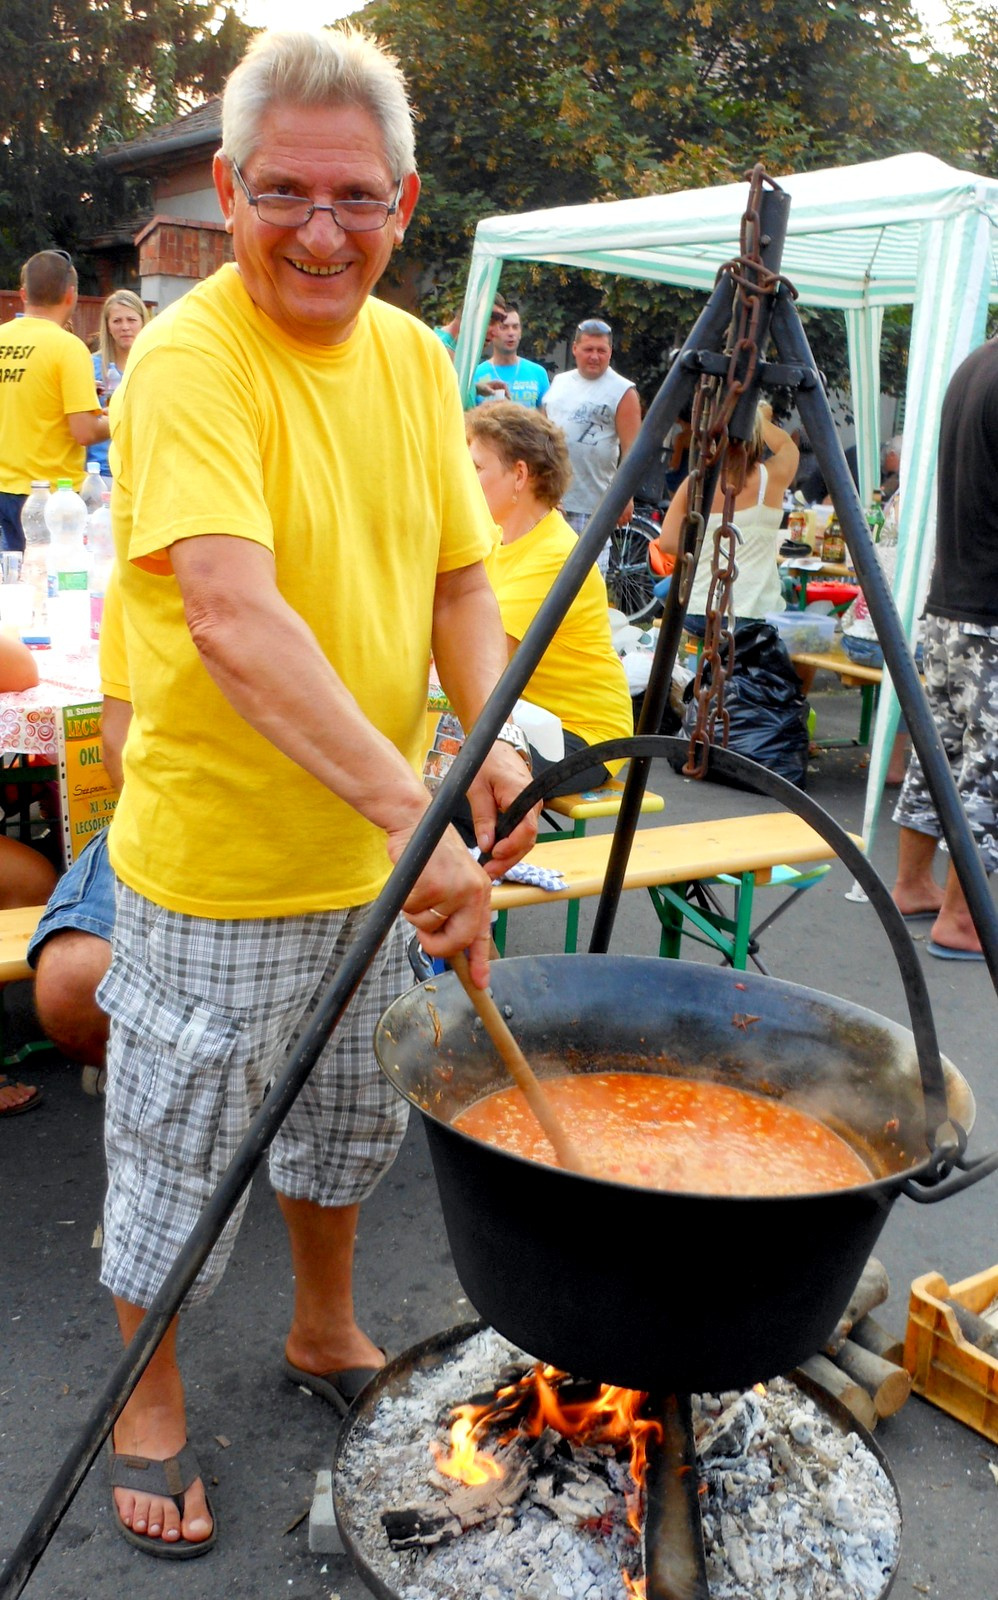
(594, 325)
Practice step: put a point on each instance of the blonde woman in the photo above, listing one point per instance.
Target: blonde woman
(122, 318)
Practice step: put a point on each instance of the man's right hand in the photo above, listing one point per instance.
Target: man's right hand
(450, 902)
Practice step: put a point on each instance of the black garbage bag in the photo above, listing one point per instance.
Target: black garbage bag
(767, 712)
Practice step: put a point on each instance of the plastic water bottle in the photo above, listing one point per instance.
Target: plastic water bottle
(100, 550)
(92, 487)
(35, 566)
(69, 601)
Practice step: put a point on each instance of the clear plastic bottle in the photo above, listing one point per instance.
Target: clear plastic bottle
(92, 487)
(35, 566)
(69, 601)
(100, 551)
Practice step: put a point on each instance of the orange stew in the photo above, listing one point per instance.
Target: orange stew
(672, 1133)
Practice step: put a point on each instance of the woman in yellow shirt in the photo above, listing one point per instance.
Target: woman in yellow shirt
(523, 467)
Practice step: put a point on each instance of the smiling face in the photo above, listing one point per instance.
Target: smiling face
(312, 281)
(124, 325)
(592, 352)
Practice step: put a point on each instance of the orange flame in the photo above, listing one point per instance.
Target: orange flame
(466, 1462)
(612, 1417)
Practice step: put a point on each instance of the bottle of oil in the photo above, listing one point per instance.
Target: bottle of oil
(834, 546)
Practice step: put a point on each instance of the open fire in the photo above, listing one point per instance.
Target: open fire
(542, 1399)
(482, 1473)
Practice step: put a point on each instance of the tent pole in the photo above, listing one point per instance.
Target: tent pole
(792, 346)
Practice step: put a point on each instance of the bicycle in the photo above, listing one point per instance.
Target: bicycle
(630, 582)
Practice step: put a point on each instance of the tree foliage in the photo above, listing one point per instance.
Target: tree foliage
(524, 106)
(76, 74)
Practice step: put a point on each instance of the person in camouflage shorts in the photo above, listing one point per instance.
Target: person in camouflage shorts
(960, 659)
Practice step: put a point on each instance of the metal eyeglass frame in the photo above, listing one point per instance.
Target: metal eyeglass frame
(311, 208)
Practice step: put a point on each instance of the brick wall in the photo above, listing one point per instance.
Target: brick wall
(174, 249)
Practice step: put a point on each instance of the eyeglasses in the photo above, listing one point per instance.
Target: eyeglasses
(594, 325)
(294, 211)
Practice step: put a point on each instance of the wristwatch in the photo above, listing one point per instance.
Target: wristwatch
(512, 733)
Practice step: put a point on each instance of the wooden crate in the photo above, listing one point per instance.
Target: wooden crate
(945, 1368)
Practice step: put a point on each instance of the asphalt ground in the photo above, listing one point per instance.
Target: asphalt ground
(263, 1439)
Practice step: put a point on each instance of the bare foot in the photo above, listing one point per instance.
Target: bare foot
(955, 933)
(356, 1351)
(14, 1096)
(927, 897)
(156, 1516)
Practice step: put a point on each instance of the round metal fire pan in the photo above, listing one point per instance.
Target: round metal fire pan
(432, 1351)
(428, 1353)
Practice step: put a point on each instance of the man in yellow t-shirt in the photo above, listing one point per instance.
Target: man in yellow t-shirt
(297, 526)
(49, 411)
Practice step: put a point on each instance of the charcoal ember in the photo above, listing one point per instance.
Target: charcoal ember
(729, 1436)
(419, 1526)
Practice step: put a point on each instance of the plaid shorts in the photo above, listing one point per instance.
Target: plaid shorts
(961, 685)
(203, 1014)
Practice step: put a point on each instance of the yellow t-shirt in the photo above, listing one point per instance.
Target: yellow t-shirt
(579, 677)
(46, 374)
(113, 660)
(350, 464)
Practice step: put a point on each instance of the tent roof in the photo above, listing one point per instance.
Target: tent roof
(854, 233)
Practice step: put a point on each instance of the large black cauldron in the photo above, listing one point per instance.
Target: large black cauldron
(649, 1289)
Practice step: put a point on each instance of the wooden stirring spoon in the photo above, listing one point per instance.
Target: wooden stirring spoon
(519, 1068)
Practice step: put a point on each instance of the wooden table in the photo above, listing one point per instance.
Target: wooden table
(58, 724)
(853, 675)
(665, 860)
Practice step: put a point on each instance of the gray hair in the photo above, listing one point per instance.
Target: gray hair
(330, 67)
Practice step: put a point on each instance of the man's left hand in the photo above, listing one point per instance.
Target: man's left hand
(502, 776)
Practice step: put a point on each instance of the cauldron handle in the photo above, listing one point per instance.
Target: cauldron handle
(947, 1150)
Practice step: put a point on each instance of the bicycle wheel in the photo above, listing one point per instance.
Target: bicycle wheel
(630, 583)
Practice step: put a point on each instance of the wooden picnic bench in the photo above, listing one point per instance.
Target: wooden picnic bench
(669, 861)
(852, 675)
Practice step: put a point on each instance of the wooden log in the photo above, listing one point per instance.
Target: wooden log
(852, 1395)
(873, 1336)
(871, 1290)
(887, 1385)
(976, 1330)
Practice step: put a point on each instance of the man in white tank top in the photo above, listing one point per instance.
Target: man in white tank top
(599, 413)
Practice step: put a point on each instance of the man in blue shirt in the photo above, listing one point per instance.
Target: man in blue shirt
(507, 376)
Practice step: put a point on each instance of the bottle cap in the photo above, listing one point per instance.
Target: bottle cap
(64, 483)
(39, 483)
(93, 466)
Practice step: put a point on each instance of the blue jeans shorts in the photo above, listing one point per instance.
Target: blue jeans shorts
(83, 899)
(11, 532)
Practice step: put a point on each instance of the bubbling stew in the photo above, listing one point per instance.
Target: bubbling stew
(675, 1133)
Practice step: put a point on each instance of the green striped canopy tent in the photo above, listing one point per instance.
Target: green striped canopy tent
(906, 231)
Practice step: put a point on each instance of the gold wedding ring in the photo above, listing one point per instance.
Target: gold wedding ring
(433, 912)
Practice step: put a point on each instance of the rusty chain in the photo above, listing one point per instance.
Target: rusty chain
(713, 407)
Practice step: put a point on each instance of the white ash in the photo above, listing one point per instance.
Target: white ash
(792, 1505)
